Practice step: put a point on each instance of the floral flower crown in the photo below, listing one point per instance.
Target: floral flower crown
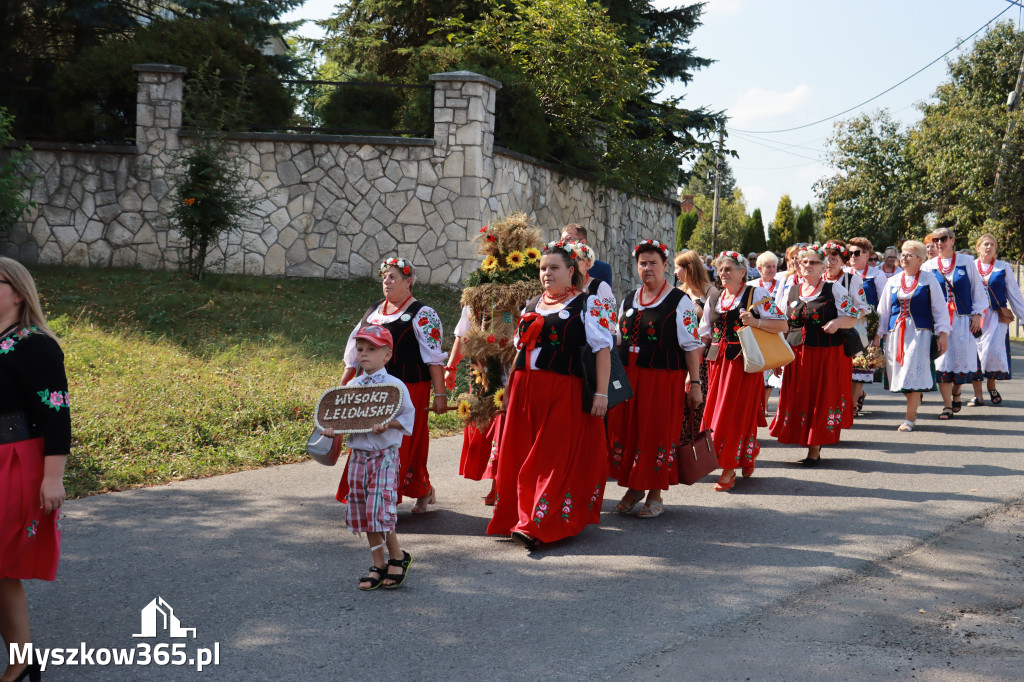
(829, 246)
(571, 249)
(652, 242)
(403, 265)
(586, 253)
(733, 256)
(818, 251)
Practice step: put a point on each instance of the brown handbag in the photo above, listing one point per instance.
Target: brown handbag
(696, 459)
(1005, 314)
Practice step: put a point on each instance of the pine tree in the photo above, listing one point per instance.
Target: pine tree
(805, 224)
(783, 232)
(754, 239)
(685, 225)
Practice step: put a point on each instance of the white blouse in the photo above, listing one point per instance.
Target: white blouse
(844, 301)
(940, 314)
(464, 325)
(1013, 296)
(686, 319)
(855, 290)
(426, 327)
(598, 321)
(406, 417)
(979, 296)
(766, 308)
(874, 274)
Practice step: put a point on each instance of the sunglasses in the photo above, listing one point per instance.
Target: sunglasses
(941, 240)
(812, 262)
(856, 253)
(872, 260)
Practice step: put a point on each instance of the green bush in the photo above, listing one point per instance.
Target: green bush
(13, 184)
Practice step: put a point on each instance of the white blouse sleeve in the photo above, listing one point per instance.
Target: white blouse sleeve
(1013, 296)
(351, 357)
(884, 309)
(979, 294)
(599, 319)
(856, 292)
(940, 310)
(769, 310)
(844, 301)
(704, 329)
(686, 325)
(427, 328)
(880, 280)
(604, 291)
(462, 328)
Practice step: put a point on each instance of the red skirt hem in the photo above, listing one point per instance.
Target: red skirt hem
(814, 399)
(29, 538)
(734, 408)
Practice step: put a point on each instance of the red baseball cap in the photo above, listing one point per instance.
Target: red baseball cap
(377, 335)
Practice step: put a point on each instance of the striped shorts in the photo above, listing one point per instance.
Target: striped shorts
(373, 490)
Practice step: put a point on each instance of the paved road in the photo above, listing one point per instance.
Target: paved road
(892, 560)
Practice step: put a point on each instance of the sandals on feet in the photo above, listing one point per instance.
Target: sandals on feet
(957, 405)
(421, 504)
(907, 425)
(398, 578)
(374, 582)
(651, 510)
(808, 462)
(723, 485)
(860, 406)
(976, 402)
(630, 504)
(527, 541)
(994, 396)
(947, 413)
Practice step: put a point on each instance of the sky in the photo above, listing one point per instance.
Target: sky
(786, 63)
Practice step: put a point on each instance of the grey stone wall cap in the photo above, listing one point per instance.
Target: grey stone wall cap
(51, 146)
(465, 77)
(159, 68)
(322, 139)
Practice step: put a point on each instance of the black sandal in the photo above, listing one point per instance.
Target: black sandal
(403, 563)
(957, 405)
(527, 541)
(860, 406)
(994, 396)
(976, 402)
(947, 413)
(374, 582)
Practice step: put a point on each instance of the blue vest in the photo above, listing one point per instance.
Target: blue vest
(996, 289)
(871, 293)
(961, 288)
(920, 308)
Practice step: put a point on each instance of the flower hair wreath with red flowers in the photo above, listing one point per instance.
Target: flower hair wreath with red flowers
(734, 256)
(570, 249)
(586, 253)
(829, 246)
(403, 266)
(818, 251)
(652, 242)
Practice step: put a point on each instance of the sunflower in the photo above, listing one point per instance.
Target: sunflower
(490, 264)
(498, 396)
(515, 260)
(464, 410)
(532, 255)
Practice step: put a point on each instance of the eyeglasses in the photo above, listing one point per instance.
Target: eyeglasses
(4, 281)
(905, 256)
(941, 240)
(856, 253)
(872, 260)
(812, 262)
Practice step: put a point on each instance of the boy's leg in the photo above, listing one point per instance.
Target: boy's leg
(379, 552)
(394, 552)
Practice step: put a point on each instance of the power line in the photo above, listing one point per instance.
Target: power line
(752, 140)
(797, 165)
(1010, 6)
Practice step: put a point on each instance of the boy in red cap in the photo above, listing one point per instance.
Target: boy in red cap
(373, 467)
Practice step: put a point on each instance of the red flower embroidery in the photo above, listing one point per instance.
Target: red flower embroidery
(435, 334)
(650, 331)
(604, 323)
(423, 322)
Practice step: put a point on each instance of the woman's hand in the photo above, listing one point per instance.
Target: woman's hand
(975, 324)
(449, 378)
(600, 406)
(440, 403)
(831, 327)
(943, 343)
(694, 395)
(747, 318)
(51, 494)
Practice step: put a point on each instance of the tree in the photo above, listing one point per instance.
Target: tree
(754, 240)
(876, 192)
(782, 231)
(14, 184)
(701, 178)
(805, 224)
(685, 225)
(732, 223)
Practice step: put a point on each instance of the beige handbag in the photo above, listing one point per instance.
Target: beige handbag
(763, 350)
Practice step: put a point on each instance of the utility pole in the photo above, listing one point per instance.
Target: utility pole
(718, 184)
(1014, 104)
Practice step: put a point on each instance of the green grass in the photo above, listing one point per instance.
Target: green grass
(172, 379)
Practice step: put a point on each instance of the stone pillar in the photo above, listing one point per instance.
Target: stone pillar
(158, 107)
(464, 116)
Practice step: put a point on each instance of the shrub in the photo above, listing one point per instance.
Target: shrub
(14, 185)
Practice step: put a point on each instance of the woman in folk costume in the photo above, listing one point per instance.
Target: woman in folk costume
(661, 353)
(890, 266)
(911, 310)
(768, 267)
(492, 297)
(696, 284)
(553, 457)
(591, 286)
(872, 280)
(1003, 292)
(966, 300)
(816, 385)
(417, 361)
(788, 277)
(735, 399)
(837, 255)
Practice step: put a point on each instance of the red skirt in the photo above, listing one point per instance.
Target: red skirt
(733, 409)
(29, 538)
(552, 461)
(413, 477)
(477, 449)
(643, 432)
(848, 372)
(815, 397)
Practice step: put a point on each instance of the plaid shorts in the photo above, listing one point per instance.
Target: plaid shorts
(373, 490)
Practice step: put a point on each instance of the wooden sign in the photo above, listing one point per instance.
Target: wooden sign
(355, 409)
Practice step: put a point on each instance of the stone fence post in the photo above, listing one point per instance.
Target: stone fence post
(464, 118)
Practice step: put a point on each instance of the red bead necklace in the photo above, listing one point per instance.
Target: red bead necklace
(769, 287)
(726, 305)
(903, 282)
(656, 296)
(952, 264)
(814, 291)
(985, 273)
(555, 300)
(384, 308)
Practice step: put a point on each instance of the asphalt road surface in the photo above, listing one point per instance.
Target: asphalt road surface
(900, 557)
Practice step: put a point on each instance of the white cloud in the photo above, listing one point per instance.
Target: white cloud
(724, 6)
(757, 105)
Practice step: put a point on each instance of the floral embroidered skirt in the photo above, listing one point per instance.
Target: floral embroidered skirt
(643, 432)
(815, 397)
(994, 347)
(734, 408)
(413, 477)
(29, 538)
(552, 460)
(478, 448)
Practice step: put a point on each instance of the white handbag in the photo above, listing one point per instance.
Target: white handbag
(763, 350)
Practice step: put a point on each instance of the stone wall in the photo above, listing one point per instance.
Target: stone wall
(330, 206)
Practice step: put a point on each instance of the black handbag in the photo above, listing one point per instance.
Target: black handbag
(619, 390)
(852, 343)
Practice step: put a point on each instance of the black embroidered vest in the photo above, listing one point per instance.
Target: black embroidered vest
(807, 318)
(560, 340)
(406, 363)
(725, 325)
(653, 331)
